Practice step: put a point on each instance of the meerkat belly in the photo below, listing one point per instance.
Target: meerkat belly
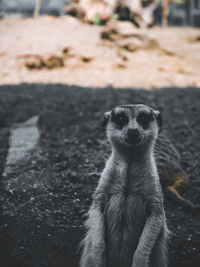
(125, 219)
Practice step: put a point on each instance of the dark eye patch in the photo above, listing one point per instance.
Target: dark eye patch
(120, 119)
(144, 119)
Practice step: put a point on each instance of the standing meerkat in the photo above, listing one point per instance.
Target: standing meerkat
(127, 224)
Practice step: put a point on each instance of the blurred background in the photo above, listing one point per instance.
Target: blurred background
(181, 12)
(101, 42)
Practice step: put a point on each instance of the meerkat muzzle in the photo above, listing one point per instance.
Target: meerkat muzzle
(133, 135)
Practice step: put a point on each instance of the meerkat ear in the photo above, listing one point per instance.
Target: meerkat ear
(106, 118)
(158, 119)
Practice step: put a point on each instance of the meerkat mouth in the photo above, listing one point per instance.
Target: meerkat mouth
(141, 140)
(134, 142)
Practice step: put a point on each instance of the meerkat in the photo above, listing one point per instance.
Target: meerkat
(127, 224)
(173, 178)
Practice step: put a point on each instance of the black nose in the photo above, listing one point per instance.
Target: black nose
(133, 135)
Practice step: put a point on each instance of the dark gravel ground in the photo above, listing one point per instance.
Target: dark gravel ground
(45, 197)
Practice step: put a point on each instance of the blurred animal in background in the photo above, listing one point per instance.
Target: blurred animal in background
(141, 12)
(100, 11)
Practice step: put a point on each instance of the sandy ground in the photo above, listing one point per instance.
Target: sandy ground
(133, 58)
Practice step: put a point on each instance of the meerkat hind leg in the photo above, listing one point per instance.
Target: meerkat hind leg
(86, 257)
(93, 254)
(159, 253)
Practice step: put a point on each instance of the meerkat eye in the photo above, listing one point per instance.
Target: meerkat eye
(144, 119)
(120, 119)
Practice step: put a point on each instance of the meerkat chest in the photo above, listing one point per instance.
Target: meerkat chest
(125, 216)
(131, 182)
(127, 203)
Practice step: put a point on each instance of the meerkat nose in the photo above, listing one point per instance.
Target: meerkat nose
(133, 134)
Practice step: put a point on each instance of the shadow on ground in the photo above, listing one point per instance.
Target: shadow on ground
(45, 194)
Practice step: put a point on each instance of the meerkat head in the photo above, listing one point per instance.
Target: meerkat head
(132, 125)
